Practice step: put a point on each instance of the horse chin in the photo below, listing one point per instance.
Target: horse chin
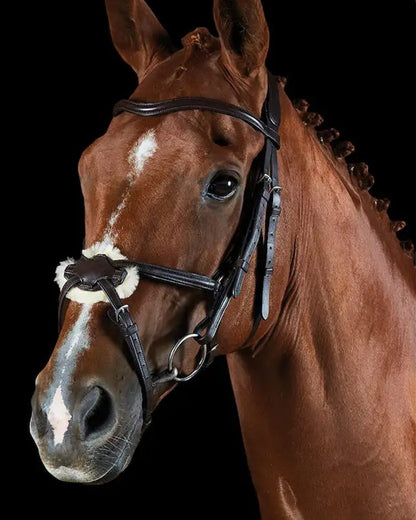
(98, 464)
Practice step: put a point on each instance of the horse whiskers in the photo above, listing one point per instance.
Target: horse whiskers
(123, 438)
(110, 451)
(114, 446)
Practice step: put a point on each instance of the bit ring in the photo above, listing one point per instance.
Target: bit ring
(203, 356)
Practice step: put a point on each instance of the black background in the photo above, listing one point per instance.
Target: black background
(352, 61)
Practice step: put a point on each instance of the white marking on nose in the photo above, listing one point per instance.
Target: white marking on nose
(77, 340)
(58, 417)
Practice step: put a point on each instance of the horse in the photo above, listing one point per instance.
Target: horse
(325, 386)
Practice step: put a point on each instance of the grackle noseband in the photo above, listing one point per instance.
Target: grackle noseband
(103, 273)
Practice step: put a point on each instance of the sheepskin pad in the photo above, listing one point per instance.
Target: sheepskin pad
(124, 290)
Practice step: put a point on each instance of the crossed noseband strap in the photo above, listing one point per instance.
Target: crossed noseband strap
(101, 273)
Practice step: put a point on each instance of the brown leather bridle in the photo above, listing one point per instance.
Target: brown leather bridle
(102, 273)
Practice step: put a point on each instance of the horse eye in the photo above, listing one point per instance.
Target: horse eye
(222, 187)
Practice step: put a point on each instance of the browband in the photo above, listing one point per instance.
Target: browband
(168, 106)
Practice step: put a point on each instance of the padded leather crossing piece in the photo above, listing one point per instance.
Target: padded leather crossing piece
(103, 273)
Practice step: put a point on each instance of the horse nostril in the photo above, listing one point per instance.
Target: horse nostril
(96, 412)
(39, 421)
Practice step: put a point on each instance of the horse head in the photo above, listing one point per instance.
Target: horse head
(167, 190)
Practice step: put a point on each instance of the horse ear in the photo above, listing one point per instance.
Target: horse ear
(137, 34)
(244, 34)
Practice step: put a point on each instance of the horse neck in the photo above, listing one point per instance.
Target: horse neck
(351, 288)
(339, 358)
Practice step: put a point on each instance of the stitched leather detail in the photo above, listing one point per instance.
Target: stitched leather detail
(160, 108)
(90, 270)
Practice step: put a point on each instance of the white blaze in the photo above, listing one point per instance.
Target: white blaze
(77, 340)
(140, 153)
(58, 417)
(143, 149)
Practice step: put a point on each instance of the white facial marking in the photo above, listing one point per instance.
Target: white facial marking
(58, 417)
(77, 340)
(143, 150)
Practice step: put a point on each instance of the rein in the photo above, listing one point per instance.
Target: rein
(103, 273)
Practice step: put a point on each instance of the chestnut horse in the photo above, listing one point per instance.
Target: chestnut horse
(325, 387)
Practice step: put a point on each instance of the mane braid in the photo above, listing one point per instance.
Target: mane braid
(359, 178)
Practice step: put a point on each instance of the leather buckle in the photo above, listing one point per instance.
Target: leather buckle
(117, 312)
(266, 177)
(243, 264)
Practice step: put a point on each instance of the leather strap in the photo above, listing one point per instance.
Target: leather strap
(208, 327)
(168, 106)
(69, 284)
(252, 236)
(121, 316)
(268, 201)
(171, 276)
(274, 210)
(272, 115)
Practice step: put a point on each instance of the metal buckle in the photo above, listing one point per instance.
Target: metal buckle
(265, 177)
(165, 377)
(117, 312)
(203, 356)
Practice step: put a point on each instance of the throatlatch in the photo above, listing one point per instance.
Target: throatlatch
(101, 273)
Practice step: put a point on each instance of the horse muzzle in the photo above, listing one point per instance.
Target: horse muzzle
(84, 436)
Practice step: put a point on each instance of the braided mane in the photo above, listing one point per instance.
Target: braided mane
(357, 175)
